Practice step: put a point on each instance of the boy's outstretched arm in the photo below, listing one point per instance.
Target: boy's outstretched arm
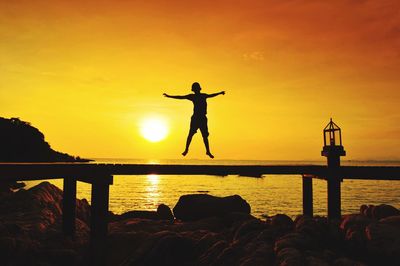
(180, 97)
(215, 94)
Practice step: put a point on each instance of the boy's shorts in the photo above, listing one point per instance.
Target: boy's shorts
(199, 122)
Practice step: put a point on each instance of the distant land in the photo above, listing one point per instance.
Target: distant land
(21, 142)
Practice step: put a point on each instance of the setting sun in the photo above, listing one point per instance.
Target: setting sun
(154, 129)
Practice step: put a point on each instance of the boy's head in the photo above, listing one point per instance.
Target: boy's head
(196, 87)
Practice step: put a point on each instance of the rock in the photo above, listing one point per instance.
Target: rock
(354, 221)
(313, 261)
(37, 213)
(294, 240)
(329, 255)
(199, 206)
(290, 256)
(383, 243)
(230, 255)
(261, 254)
(151, 215)
(210, 256)
(364, 210)
(7, 187)
(249, 226)
(334, 233)
(235, 219)
(381, 231)
(171, 249)
(83, 210)
(391, 220)
(60, 257)
(383, 211)
(314, 227)
(347, 262)
(379, 211)
(212, 224)
(164, 213)
(282, 221)
(254, 261)
(16, 251)
(8, 245)
(268, 235)
(208, 240)
(355, 238)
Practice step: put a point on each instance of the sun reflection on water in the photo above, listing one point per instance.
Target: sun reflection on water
(153, 180)
(152, 195)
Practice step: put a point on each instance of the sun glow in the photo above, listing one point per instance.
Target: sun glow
(154, 129)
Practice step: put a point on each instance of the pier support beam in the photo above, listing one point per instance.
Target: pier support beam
(99, 210)
(99, 219)
(334, 197)
(334, 185)
(69, 206)
(307, 196)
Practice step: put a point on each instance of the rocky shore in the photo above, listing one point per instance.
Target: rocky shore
(201, 230)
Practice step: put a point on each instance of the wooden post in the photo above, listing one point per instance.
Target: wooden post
(69, 206)
(334, 196)
(307, 196)
(334, 189)
(99, 211)
(99, 219)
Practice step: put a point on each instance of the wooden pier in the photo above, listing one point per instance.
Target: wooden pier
(100, 176)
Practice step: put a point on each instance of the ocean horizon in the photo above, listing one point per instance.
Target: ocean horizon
(267, 196)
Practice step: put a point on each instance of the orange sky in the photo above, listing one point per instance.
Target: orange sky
(87, 73)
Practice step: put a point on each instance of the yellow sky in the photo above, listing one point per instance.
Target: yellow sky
(87, 73)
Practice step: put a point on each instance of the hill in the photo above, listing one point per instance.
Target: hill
(21, 142)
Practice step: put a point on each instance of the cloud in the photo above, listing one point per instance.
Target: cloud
(254, 56)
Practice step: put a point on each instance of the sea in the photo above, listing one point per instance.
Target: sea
(267, 196)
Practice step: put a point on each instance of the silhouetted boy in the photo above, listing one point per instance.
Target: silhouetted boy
(199, 118)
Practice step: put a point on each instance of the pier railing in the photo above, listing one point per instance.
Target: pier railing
(100, 176)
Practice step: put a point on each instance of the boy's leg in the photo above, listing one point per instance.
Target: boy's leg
(204, 133)
(188, 141)
(192, 131)
(205, 139)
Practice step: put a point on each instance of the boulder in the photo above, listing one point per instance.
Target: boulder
(290, 256)
(164, 213)
(199, 206)
(382, 233)
(352, 221)
(151, 215)
(208, 240)
(212, 253)
(261, 254)
(298, 241)
(391, 220)
(379, 211)
(282, 221)
(230, 255)
(315, 227)
(383, 211)
(314, 261)
(250, 226)
(37, 209)
(171, 249)
(347, 262)
(383, 243)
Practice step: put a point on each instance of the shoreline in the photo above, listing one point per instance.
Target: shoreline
(267, 196)
(31, 220)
